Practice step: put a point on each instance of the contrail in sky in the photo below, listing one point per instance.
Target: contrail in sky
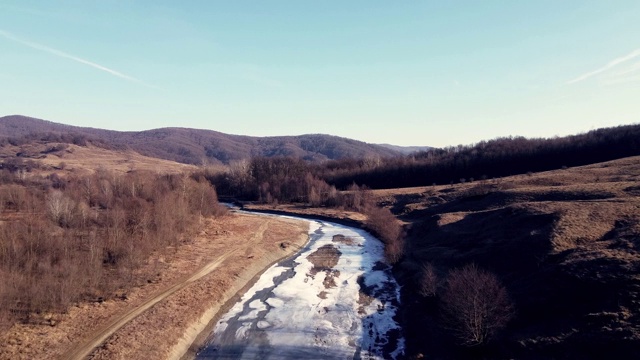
(610, 64)
(33, 45)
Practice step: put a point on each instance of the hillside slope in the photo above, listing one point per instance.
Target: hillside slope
(193, 146)
(565, 243)
(407, 150)
(45, 158)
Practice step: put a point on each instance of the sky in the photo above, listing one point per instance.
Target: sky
(430, 73)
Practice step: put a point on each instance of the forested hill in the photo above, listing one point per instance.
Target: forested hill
(488, 159)
(193, 146)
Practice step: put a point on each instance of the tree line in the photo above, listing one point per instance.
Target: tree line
(278, 180)
(487, 159)
(289, 179)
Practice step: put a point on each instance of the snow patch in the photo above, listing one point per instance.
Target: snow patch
(294, 316)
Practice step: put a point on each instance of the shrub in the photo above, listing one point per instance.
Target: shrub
(382, 223)
(428, 285)
(85, 239)
(475, 305)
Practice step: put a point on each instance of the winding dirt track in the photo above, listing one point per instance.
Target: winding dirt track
(95, 339)
(99, 336)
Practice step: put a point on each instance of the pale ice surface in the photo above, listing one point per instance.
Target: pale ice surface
(285, 315)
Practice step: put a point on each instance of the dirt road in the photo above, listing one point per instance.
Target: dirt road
(100, 335)
(161, 319)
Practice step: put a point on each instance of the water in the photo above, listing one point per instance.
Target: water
(343, 308)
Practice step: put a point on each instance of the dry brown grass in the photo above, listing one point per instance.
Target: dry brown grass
(87, 159)
(90, 158)
(167, 329)
(565, 242)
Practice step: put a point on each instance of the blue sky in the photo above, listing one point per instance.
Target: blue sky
(409, 73)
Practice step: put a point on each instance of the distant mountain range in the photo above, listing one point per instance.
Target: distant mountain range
(407, 149)
(193, 146)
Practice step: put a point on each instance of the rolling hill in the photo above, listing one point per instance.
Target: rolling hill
(194, 146)
(406, 150)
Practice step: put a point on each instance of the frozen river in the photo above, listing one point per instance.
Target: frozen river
(335, 299)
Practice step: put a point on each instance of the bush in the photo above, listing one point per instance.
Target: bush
(382, 223)
(428, 285)
(85, 239)
(475, 305)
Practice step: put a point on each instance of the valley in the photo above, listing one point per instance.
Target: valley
(558, 248)
(356, 180)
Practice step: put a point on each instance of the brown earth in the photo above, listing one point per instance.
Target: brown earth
(324, 260)
(185, 290)
(344, 240)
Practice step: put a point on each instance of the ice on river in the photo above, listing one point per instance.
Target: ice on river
(292, 312)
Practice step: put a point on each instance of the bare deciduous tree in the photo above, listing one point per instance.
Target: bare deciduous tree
(428, 281)
(475, 305)
(59, 207)
(383, 224)
(86, 237)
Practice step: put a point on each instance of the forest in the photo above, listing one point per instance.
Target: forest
(487, 159)
(288, 179)
(64, 240)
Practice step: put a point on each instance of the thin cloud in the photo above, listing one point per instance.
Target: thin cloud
(611, 64)
(622, 80)
(629, 70)
(33, 45)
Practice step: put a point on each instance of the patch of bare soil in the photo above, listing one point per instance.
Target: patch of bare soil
(162, 318)
(341, 239)
(324, 259)
(330, 279)
(364, 301)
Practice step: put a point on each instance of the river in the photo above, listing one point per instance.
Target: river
(334, 299)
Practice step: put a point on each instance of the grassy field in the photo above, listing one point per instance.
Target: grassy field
(68, 158)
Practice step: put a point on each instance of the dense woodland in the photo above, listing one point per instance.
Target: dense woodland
(487, 159)
(81, 238)
(287, 179)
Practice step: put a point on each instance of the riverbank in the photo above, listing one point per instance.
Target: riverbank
(166, 329)
(338, 216)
